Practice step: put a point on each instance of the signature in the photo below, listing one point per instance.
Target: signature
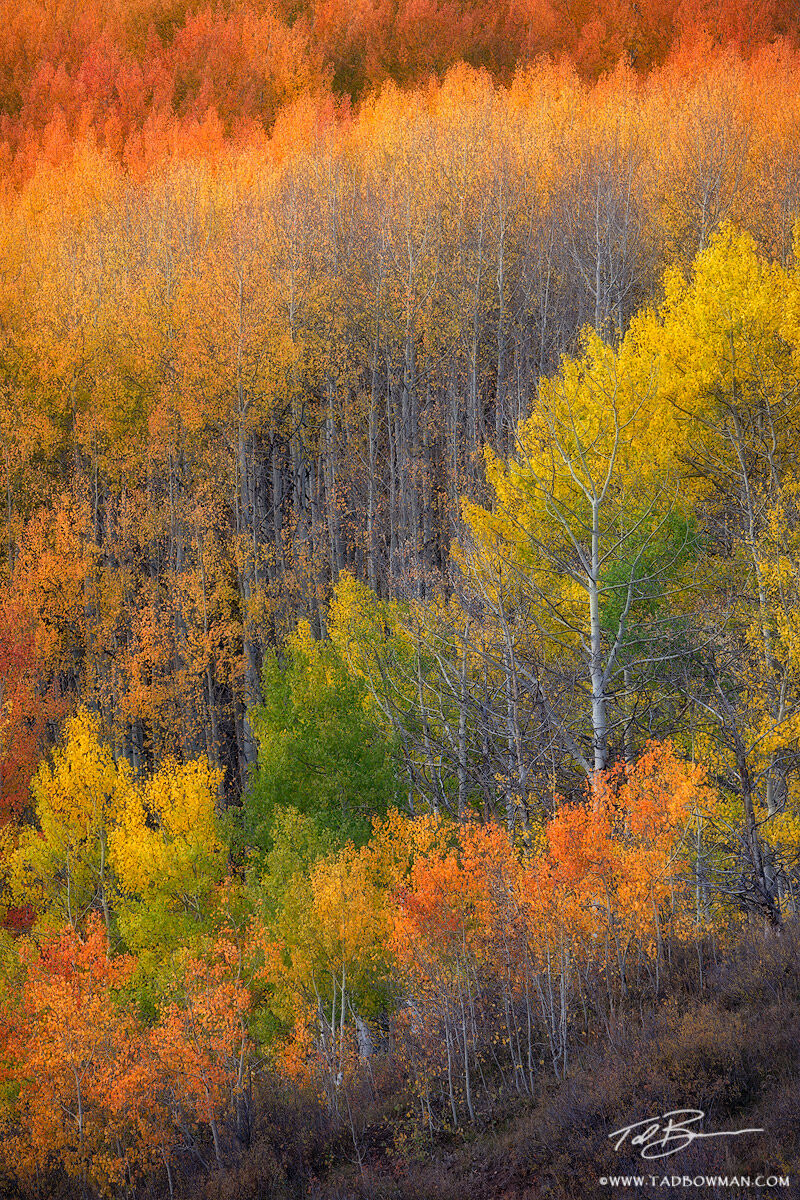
(661, 1136)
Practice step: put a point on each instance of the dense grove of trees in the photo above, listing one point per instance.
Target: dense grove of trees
(139, 73)
(229, 380)
(399, 557)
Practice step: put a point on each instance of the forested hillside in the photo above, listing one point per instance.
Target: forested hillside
(399, 584)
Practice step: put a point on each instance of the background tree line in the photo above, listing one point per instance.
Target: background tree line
(141, 77)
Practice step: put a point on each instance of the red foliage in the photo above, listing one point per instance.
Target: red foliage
(19, 920)
(114, 70)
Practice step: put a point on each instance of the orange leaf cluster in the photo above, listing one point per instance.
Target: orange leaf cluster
(96, 1091)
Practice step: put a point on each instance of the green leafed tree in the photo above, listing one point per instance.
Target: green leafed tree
(320, 751)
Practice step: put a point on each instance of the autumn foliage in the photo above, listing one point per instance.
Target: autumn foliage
(95, 1092)
(399, 563)
(484, 939)
(126, 73)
